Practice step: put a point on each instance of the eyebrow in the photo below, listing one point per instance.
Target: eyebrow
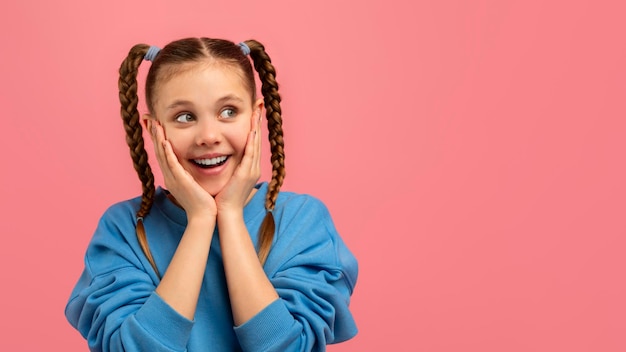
(178, 103)
(229, 97)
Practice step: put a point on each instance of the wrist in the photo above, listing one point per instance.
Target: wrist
(229, 214)
(201, 219)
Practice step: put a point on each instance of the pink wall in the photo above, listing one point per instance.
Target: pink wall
(471, 152)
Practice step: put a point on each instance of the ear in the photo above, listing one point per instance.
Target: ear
(257, 112)
(144, 120)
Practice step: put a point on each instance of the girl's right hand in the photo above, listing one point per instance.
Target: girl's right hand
(187, 192)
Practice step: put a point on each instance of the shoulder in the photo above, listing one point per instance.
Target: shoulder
(123, 215)
(296, 212)
(290, 207)
(114, 240)
(302, 206)
(122, 210)
(306, 236)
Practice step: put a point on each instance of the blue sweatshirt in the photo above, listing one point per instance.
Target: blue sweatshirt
(115, 307)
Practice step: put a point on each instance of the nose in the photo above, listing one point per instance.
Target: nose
(208, 132)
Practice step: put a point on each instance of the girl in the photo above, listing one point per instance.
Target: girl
(215, 262)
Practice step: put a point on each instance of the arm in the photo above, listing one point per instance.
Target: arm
(249, 289)
(303, 305)
(181, 283)
(116, 305)
(244, 274)
(314, 274)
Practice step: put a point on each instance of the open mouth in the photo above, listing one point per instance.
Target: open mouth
(210, 163)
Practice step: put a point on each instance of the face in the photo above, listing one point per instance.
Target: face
(207, 113)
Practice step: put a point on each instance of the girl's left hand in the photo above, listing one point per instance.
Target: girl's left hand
(236, 192)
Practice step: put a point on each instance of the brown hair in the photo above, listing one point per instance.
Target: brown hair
(164, 65)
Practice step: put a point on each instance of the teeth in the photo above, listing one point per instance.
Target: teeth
(210, 162)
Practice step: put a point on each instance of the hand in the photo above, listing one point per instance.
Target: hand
(187, 192)
(234, 195)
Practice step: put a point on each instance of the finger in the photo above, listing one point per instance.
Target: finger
(151, 125)
(159, 139)
(257, 145)
(257, 150)
(174, 167)
(252, 156)
(171, 160)
(243, 169)
(158, 144)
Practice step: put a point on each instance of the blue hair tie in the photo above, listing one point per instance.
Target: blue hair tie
(152, 53)
(245, 49)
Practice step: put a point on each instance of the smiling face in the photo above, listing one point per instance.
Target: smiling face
(206, 112)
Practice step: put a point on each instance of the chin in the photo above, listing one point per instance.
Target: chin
(213, 189)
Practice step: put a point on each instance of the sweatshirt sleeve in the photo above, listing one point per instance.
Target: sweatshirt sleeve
(314, 275)
(114, 305)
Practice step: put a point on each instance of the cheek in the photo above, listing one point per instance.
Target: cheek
(239, 140)
(176, 141)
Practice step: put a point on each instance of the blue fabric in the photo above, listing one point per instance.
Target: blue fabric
(115, 308)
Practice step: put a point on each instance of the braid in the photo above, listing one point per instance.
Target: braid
(128, 98)
(269, 89)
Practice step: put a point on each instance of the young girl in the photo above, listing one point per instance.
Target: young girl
(215, 262)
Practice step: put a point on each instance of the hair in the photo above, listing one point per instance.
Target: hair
(166, 64)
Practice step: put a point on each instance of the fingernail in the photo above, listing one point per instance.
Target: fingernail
(152, 127)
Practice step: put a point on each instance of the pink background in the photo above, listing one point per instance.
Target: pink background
(471, 153)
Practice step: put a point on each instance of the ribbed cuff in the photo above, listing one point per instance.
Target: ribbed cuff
(269, 327)
(164, 323)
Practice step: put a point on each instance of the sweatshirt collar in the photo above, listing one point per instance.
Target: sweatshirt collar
(177, 214)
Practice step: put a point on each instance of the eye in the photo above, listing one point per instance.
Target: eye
(228, 113)
(184, 117)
